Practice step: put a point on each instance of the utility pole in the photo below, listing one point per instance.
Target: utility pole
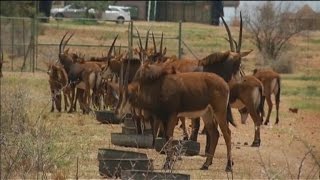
(149, 10)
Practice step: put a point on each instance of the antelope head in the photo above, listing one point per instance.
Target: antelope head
(64, 57)
(235, 53)
(142, 52)
(157, 56)
(126, 93)
(106, 70)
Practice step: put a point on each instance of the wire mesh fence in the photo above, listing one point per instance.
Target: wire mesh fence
(28, 44)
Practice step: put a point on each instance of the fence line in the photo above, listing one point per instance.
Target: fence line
(30, 47)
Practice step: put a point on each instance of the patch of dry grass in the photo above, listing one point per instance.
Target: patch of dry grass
(84, 135)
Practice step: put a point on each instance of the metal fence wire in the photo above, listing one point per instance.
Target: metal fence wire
(28, 44)
(17, 43)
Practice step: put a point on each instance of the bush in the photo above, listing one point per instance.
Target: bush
(283, 64)
(28, 146)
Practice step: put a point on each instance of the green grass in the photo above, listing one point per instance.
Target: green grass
(314, 41)
(307, 91)
(307, 104)
(302, 77)
(303, 91)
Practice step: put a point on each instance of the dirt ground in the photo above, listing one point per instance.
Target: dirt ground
(289, 150)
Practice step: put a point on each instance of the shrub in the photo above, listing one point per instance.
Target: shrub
(28, 146)
(283, 64)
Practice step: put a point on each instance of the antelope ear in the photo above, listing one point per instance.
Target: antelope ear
(245, 53)
(136, 51)
(164, 51)
(66, 51)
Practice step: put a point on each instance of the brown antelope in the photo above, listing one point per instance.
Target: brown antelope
(247, 97)
(58, 81)
(86, 73)
(167, 96)
(271, 83)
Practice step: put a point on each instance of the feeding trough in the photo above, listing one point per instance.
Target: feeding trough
(132, 140)
(129, 137)
(138, 174)
(191, 148)
(112, 162)
(107, 117)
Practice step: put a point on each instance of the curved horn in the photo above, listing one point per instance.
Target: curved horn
(60, 45)
(147, 39)
(240, 35)
(140, 42)
(229, 34)
(154, 44)
(161, 43)
(67, 41)
(140, 53)
(235, 43)
(111, 47)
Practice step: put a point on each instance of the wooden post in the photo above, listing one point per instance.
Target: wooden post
(130, 45)
(179, 40)
(12, 43)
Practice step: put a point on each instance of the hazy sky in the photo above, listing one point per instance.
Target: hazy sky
(229, 12)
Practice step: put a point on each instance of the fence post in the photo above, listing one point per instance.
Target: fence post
(12, 43)
(33, 43)
(36, 24)
(179, 40)
(130, 44)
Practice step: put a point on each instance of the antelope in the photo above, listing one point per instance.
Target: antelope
(247, 97)
(226, 64)
(271, 83)
(167, 96)
(58, 80)
(86, 73)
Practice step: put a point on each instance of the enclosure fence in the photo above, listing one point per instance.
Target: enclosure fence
(28, 43)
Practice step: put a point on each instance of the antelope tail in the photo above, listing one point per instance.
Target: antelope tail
(261, 105)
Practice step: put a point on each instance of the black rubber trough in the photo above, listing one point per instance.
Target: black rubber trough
(107, 117)
(138, 174)
(112, 162)
(132, 140)
(191, 148)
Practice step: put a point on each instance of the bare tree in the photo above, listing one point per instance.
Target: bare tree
(271, 26)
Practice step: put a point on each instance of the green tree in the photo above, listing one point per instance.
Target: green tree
(18, 8)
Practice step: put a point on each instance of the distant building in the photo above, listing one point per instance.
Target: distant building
(307, 18)
(187, 11)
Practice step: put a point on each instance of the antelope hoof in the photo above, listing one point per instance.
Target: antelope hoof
(204, 167)
(166, 165)
(229, 166)
(266, 123)
(256, 143)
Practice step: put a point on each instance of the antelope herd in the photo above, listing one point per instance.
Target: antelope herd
(161, 89)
